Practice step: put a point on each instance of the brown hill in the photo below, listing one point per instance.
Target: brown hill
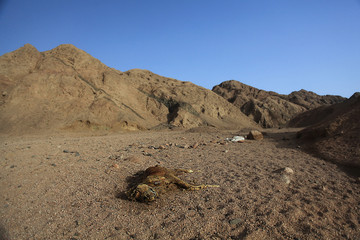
(311, 100)
(334, 134)
(271, 109)
(66, 88)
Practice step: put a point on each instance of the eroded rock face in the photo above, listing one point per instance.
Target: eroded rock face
(66, 88)
(335, 136)
(311, 100)
(270, 109)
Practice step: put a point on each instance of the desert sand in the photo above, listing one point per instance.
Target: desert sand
(75, 133)
(71, 186)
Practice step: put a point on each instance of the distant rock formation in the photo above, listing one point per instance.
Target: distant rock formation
(311, 100)
(270, 109)
(67, 89)
(335, 131)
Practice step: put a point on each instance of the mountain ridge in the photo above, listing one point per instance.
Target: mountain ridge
(268, 108)
(66, 88)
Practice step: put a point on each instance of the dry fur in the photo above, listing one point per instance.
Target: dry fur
(158, 180)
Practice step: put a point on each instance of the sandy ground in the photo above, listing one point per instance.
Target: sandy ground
(71, 187)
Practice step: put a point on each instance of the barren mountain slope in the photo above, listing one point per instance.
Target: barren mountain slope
(311, 100)
(268, 109)
(271, 109)
(66, 88)
(335, 134)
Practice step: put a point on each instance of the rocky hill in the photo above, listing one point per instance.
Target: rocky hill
(334, 133)
(271, 109)
(67, 89)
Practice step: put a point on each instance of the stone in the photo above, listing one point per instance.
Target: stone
(195, 145)
(285, 178)
(285, 170)
(240, 139)
(255, 135)
(288, 170)
(284, 174)
(235, 221)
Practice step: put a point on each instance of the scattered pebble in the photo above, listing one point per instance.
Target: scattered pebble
(147, 154)
(288, 170)
(235, 221)
(195, 145)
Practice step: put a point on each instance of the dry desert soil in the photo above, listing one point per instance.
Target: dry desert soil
(72, 186)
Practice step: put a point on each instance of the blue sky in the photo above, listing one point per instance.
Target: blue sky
(277, 45)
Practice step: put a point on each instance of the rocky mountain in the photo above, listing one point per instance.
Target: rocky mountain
(334, 131)
(67, 89)
(271, 109)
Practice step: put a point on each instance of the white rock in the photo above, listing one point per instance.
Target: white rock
(286, 179)
(236, 139)
(288, 170)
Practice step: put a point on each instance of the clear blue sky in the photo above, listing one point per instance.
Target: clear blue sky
(278, 45)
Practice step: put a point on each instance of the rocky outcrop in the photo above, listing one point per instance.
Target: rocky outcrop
(66, 88)
(311, 100)
(334, 136)
(271, 109)
(268, 109)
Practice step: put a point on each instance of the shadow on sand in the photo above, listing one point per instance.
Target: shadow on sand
(288, 139)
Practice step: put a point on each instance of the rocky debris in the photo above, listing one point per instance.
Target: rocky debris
(186, 146)
(255, 135)
(74, 152)
(271, 109)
